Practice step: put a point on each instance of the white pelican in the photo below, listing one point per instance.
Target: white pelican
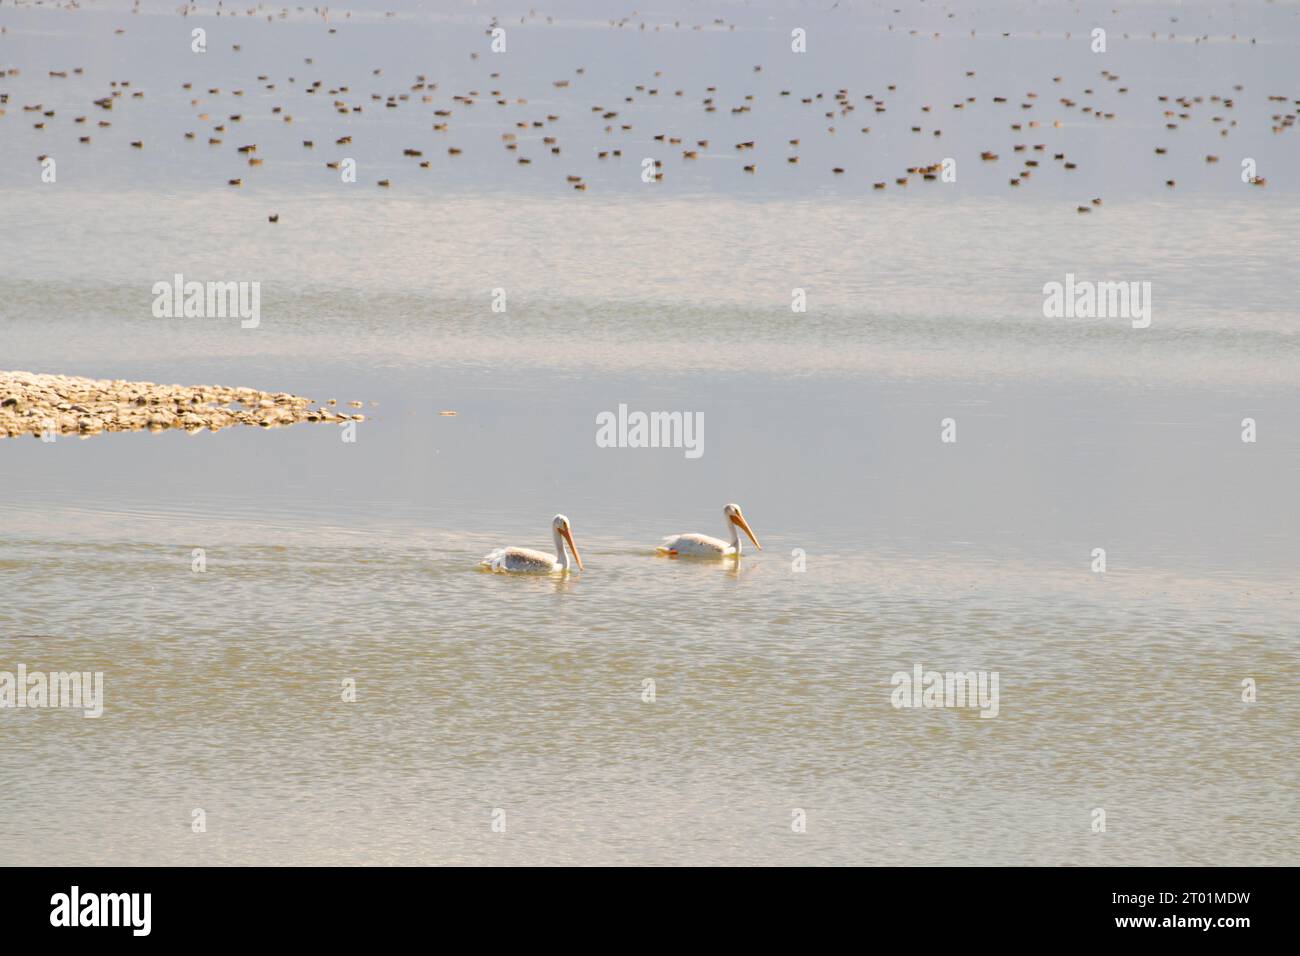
(703, 546)
(527, 561)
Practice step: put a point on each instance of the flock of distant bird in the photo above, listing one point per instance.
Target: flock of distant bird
(1177, 110)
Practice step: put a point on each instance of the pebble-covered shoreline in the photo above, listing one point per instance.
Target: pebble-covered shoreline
(32, 404)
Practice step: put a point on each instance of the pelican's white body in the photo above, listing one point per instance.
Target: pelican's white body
(528, 561)
(522, 561)
(691, 545)
(700, 546)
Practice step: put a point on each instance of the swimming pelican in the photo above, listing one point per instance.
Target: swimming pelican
(704, 546)
(527, 561)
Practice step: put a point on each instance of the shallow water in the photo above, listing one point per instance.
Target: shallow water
(329, 560)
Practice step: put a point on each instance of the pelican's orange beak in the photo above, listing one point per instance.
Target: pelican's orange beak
(568, 536)
(740, 521)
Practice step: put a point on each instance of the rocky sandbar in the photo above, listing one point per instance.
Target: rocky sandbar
(33, 404)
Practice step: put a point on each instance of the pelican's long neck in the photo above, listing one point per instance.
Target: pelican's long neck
(561, 552)
(735, 534)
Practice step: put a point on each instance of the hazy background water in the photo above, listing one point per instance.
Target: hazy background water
(329, 560)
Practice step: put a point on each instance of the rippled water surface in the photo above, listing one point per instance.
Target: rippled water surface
(329, 561)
